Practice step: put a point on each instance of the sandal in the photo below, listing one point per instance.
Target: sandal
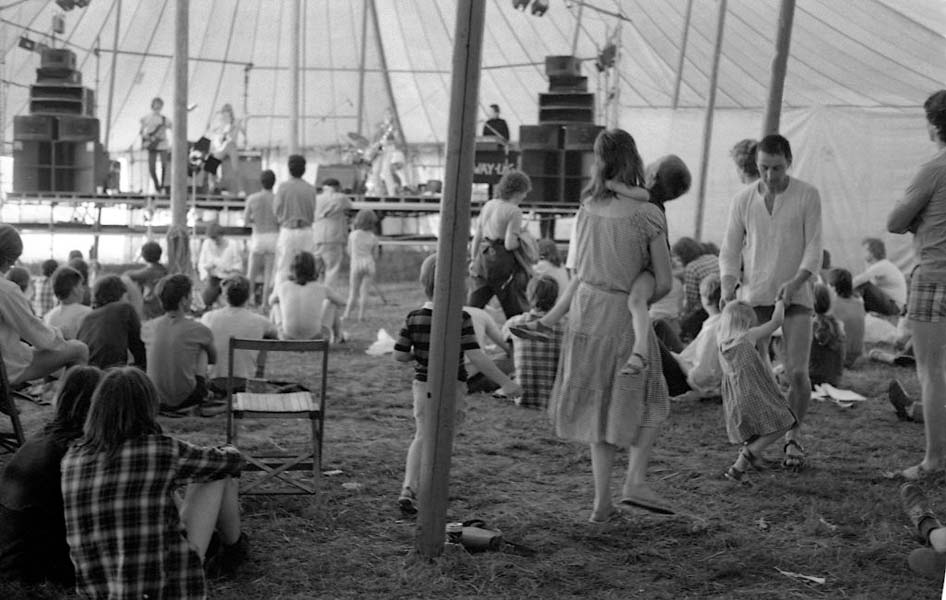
(536, 331)
(734, 473)
(794, 461)
(757, 462)
(630, 368)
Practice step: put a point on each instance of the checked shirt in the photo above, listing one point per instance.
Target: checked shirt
(693, 274)
(125, 536)
(536, 362)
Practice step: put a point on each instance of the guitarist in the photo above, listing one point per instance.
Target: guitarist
(154, 139)
(223, 146)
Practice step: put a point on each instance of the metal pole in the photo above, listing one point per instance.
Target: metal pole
(708, 124)
(581, 8)
(450, 289)
(773, 105)
(387, 76)
(683, 52)
(294, 79)
(361, 67)
(111, 80)
(179, 130)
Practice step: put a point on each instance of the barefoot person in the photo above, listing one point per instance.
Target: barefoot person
(774, 239)
(591, 401)
(922, 212)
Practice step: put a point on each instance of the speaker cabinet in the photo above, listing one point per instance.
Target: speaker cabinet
(581, 137)
(540, 137)
(61, 58)
(78, 129)
(40, 128)
(556, 66)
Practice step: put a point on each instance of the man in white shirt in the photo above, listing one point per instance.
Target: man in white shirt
(882, 285)
(774, 238)
(219, 258)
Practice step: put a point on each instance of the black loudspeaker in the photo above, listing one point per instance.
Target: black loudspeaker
(58, 75)
(540, 137)
(62, 58)
(347, 176)
(581, 137)
(578, 163)
(78, 129)
(33, 153)
(568, 83)
(75, 155)
(545, 189)
(31, 178)
(41, 128)
(536, 163)
(556, 66)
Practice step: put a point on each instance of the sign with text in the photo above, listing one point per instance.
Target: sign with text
(490, 165)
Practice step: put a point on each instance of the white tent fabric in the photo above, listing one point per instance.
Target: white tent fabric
(858, 73)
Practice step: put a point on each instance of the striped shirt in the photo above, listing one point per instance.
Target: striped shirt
(125, 536)
(414, 338)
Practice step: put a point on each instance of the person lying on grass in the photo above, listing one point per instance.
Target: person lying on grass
(666, 179)
(131, 533)
(33, 545)
(413, 345)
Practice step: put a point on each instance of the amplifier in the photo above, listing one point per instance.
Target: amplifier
(540, 137)
(39, 128)
(581, 137)
(568, 83)
(562, 65)
(58, 75)
(78, 129)
(58, 57)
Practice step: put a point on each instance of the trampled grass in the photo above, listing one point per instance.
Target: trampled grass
(839, 520)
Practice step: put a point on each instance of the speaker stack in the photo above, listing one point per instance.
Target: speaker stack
(557, 154)
(56, 147)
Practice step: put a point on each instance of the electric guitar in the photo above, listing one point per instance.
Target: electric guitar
(151, 139)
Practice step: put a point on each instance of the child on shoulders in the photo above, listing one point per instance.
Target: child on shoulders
(113, 328)
(413, 345)
(536, 361)
(69, 288)
(180, 350)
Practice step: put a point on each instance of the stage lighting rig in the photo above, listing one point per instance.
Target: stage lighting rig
(70, 4)
(539, 7)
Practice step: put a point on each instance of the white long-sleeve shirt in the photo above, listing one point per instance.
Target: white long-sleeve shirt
(20, 329)
(771, 248)
(223, 261)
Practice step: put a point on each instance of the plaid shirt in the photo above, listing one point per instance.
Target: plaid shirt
(125, 536)
(693, 274)
(536, 361)
(44, 300)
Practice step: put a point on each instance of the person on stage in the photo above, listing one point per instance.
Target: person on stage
(496, 126)
(223, 134)
(154, 139)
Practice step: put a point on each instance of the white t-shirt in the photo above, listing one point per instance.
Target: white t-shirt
(886, 276)
(301, 308)
(68, 318)
(229, 322)
(559, 273)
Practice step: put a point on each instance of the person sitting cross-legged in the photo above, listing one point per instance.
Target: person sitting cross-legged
(113, 328)
(68, 314)
(131, 533)
(303, 307)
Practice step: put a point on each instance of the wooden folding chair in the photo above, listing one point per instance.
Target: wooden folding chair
(13, 439)
(275, 467)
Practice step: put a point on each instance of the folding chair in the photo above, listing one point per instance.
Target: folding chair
(276, 404)
(9, 440)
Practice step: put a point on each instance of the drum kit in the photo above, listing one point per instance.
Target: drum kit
(358, 150)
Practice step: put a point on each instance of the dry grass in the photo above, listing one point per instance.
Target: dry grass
(840, 519)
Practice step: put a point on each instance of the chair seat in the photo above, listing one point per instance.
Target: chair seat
(294, 402)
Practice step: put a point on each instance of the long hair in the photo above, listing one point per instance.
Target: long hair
(737, 318)
(616, 157)
(124, 407)
(305, 267)
(366, 219)
(72, 404)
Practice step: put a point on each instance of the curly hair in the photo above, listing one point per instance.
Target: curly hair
(935, 107)
(744, 154)
(513, 183)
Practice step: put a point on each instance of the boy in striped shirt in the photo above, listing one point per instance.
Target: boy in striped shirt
(413, 344)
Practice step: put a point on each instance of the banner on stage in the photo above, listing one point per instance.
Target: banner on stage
(490, 166)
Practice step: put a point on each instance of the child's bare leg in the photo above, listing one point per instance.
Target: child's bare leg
(641, 291)
(354, 277)
(363, 295)
(750, 455)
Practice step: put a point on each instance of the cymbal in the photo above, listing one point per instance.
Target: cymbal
(358, 138)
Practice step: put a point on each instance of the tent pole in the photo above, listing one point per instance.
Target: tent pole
(581, 8)
(387, 76)
(708, 124)
(111, 80)
(773, 106)
(450, 289)
(177, 238)
(683, 52)
(361, 67)
(294, 79)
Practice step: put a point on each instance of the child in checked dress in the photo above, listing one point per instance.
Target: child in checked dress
(757, 412)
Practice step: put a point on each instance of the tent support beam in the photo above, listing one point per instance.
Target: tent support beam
(294, 79)
(177, 238)
(361, 67)
(581, 8)
(683, 52)
(708, 123)
(773, 105)
(402, 140)
(111, 80)
(449, 287)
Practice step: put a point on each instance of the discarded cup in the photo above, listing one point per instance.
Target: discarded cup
(454, 532)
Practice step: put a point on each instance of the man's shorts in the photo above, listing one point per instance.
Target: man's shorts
(263, 243)
(926, 301)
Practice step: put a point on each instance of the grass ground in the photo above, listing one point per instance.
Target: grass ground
(839, 519)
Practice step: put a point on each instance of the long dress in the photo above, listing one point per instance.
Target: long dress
(591, 401)
(753, 404)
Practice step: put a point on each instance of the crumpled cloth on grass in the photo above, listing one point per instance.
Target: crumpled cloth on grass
(383, 345)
